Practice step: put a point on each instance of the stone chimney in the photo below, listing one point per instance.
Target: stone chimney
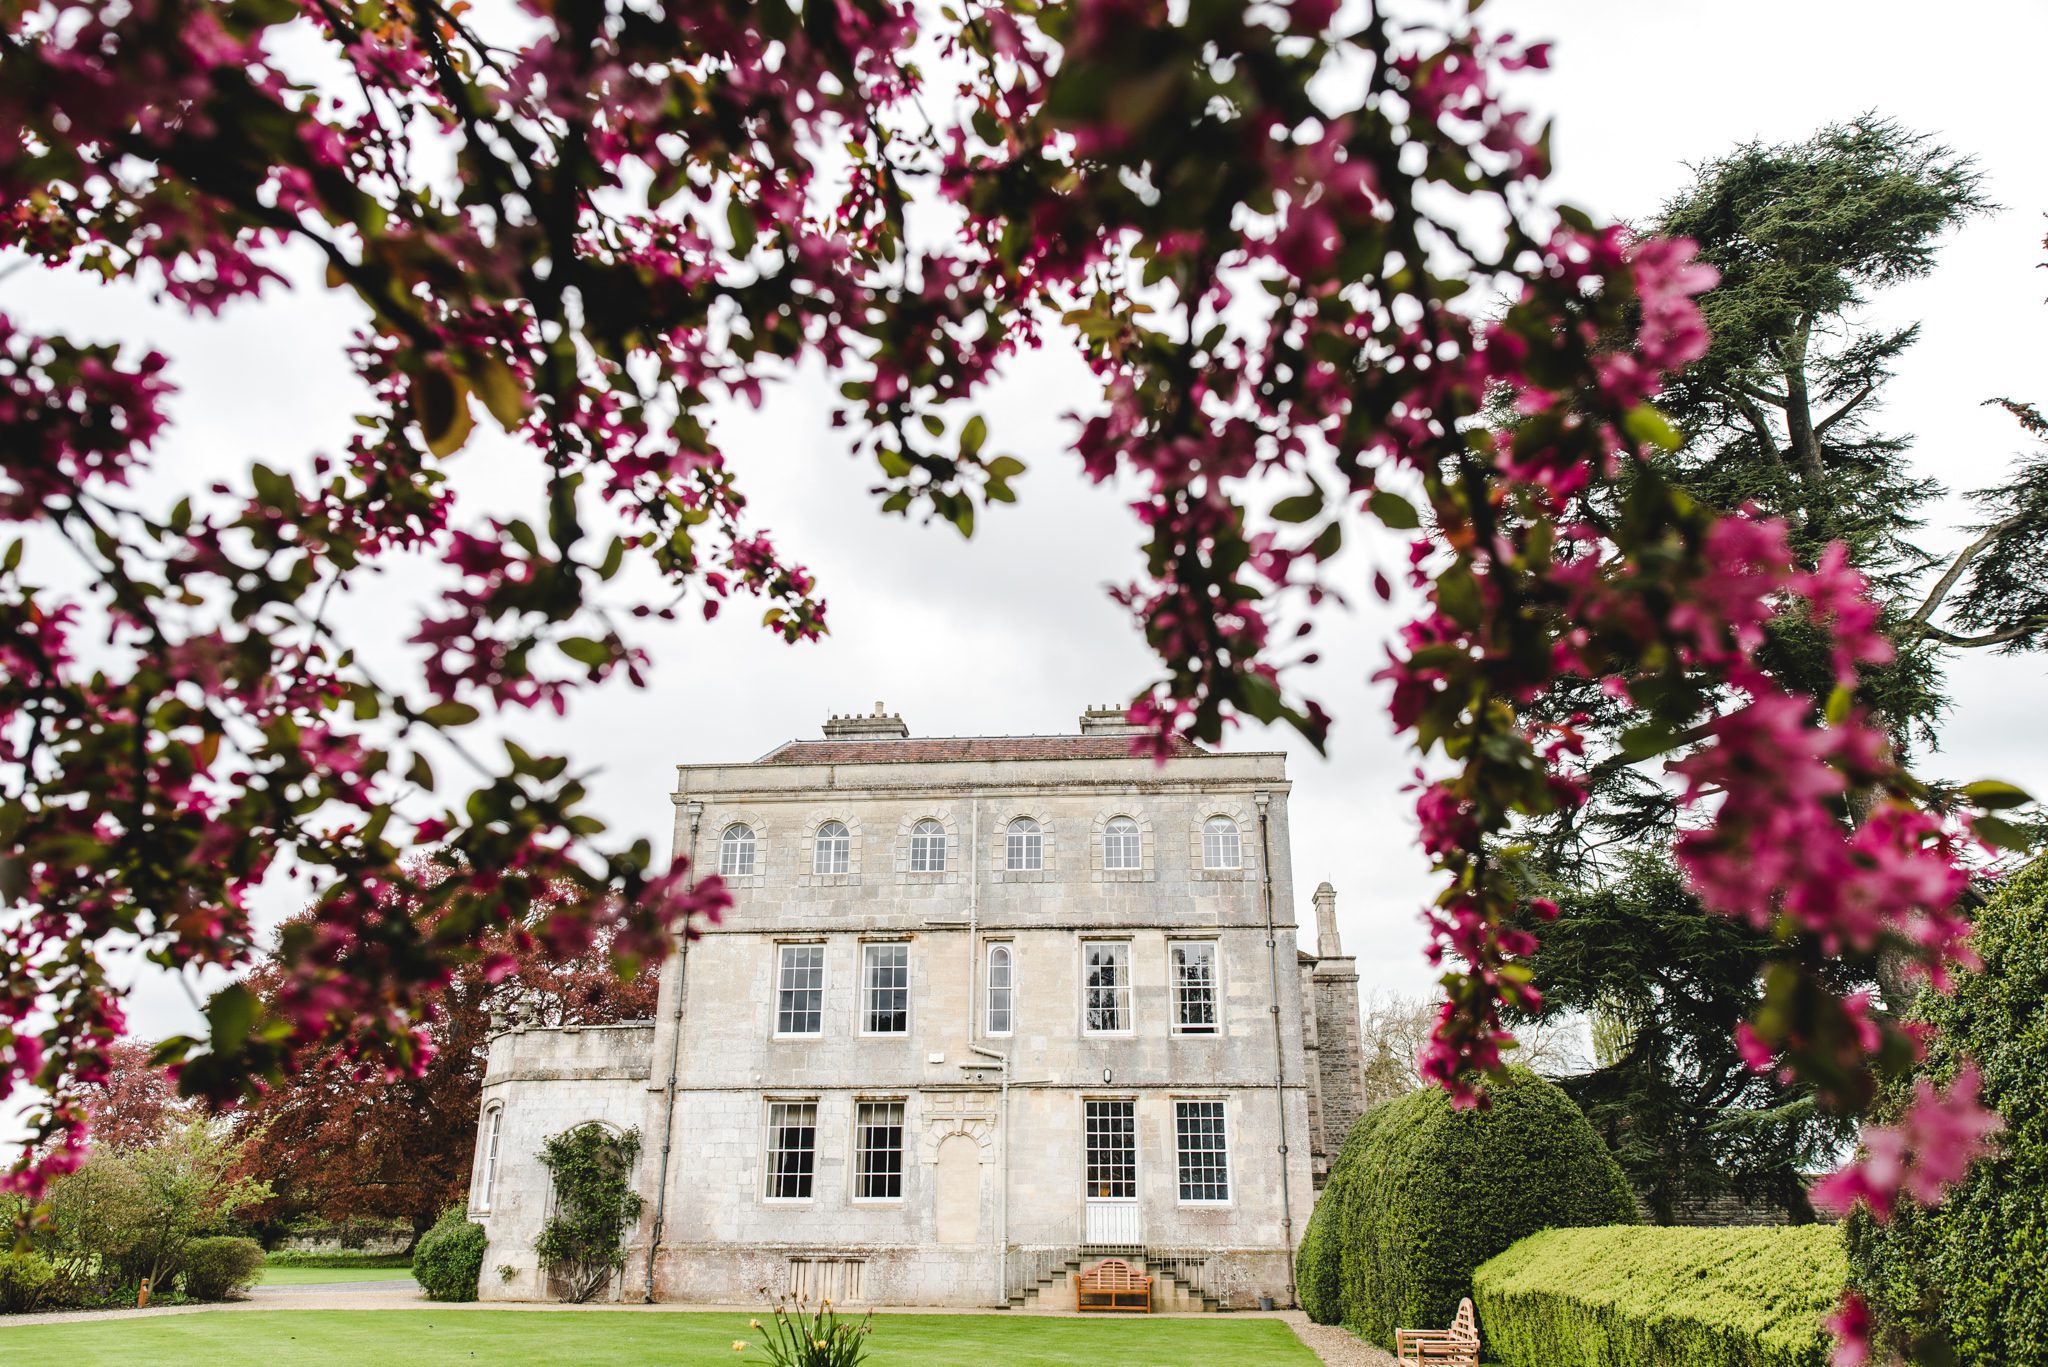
(1328, 943)
(1107, 720)
(878, 725)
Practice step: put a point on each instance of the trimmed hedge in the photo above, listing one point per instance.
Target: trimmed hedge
(1630, 1296)
(1423, 1193)
(291, 1257)
(449, 1258)
(218, 1268)
(1974, 1270)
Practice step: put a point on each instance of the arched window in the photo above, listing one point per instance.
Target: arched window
(1120, 848)
(493, 1123)
(832, 849)
(736, 852)
(1025, 846)
(1002, 990)
(927, 847)
(1220, 846)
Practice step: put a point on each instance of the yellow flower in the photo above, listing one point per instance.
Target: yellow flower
(817, 1343)
(739, 1345)
(753, 1324)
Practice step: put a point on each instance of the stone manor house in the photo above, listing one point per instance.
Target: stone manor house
(986, 1008)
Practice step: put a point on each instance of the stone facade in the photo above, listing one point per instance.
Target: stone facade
(983, 1005)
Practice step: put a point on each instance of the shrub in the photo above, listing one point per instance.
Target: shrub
(449, 1258)
(25, 1279)
(1974, 1270)
(594, 1205)
(1628, 1296)
(216, 1269)
(1423, 1193)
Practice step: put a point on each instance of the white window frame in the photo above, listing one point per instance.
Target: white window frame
(1213, 1108)
(1089, 1130)
(1120, 990)
(870, 951)
(1174, 951)
(832, 854)
(861, 1150)
(1008, 989)
(1129, 841)
(928, 840)
(783, 953)
(1213, 850)
(738, 857)
(771, 1131)
(1024, 846)
(494, 1126)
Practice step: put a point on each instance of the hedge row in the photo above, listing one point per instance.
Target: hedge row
(1645, 1297)
(1424, 1192)
(1972, 1272)
(288, 1257)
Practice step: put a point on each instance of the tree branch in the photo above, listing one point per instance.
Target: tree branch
(1820, 428)
(1989, 638)
(1942, 586)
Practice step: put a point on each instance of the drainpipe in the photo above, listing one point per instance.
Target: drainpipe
(675, 1055)
(1002, 1175)
(1264, 802)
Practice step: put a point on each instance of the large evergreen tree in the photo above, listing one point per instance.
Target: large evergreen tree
(1781, 414)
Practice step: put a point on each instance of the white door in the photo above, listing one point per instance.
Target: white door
(1110, 1177)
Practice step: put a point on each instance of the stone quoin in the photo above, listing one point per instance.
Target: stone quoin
(984, 1007)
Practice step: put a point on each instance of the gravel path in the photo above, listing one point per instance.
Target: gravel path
(1336, 1345)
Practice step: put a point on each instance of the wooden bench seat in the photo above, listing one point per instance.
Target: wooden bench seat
(1112, 1285)
(1457, 1346)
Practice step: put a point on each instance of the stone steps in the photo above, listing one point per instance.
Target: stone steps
(1171, 1292)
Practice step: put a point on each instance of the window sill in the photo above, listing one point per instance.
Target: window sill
(779, 1036)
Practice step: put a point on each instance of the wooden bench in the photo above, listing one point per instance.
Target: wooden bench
(1457, 1345)
(1112, 1285)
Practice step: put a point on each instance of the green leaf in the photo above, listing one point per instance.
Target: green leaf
(1648, 427)
(421, 773)
(441, 403)
(1393, 510)
(1839, 703)
(739, 218)
(229, 1016)
(443, 716)
(2004, 834)
(586, 651)
(973, 435)
(1993, 795)
(500, 390)
(1299, 507)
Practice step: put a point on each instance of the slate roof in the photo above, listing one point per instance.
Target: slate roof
(938, 749)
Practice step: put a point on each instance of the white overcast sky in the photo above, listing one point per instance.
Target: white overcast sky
(1013, 633)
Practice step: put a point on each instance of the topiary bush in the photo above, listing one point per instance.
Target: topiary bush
(218, 1268)
(1423, 1193)
(449, 1258)
(1973, 1271)
(1628, 1296)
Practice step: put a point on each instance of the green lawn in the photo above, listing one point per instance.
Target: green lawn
(315, 1276)
(569, 1338)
